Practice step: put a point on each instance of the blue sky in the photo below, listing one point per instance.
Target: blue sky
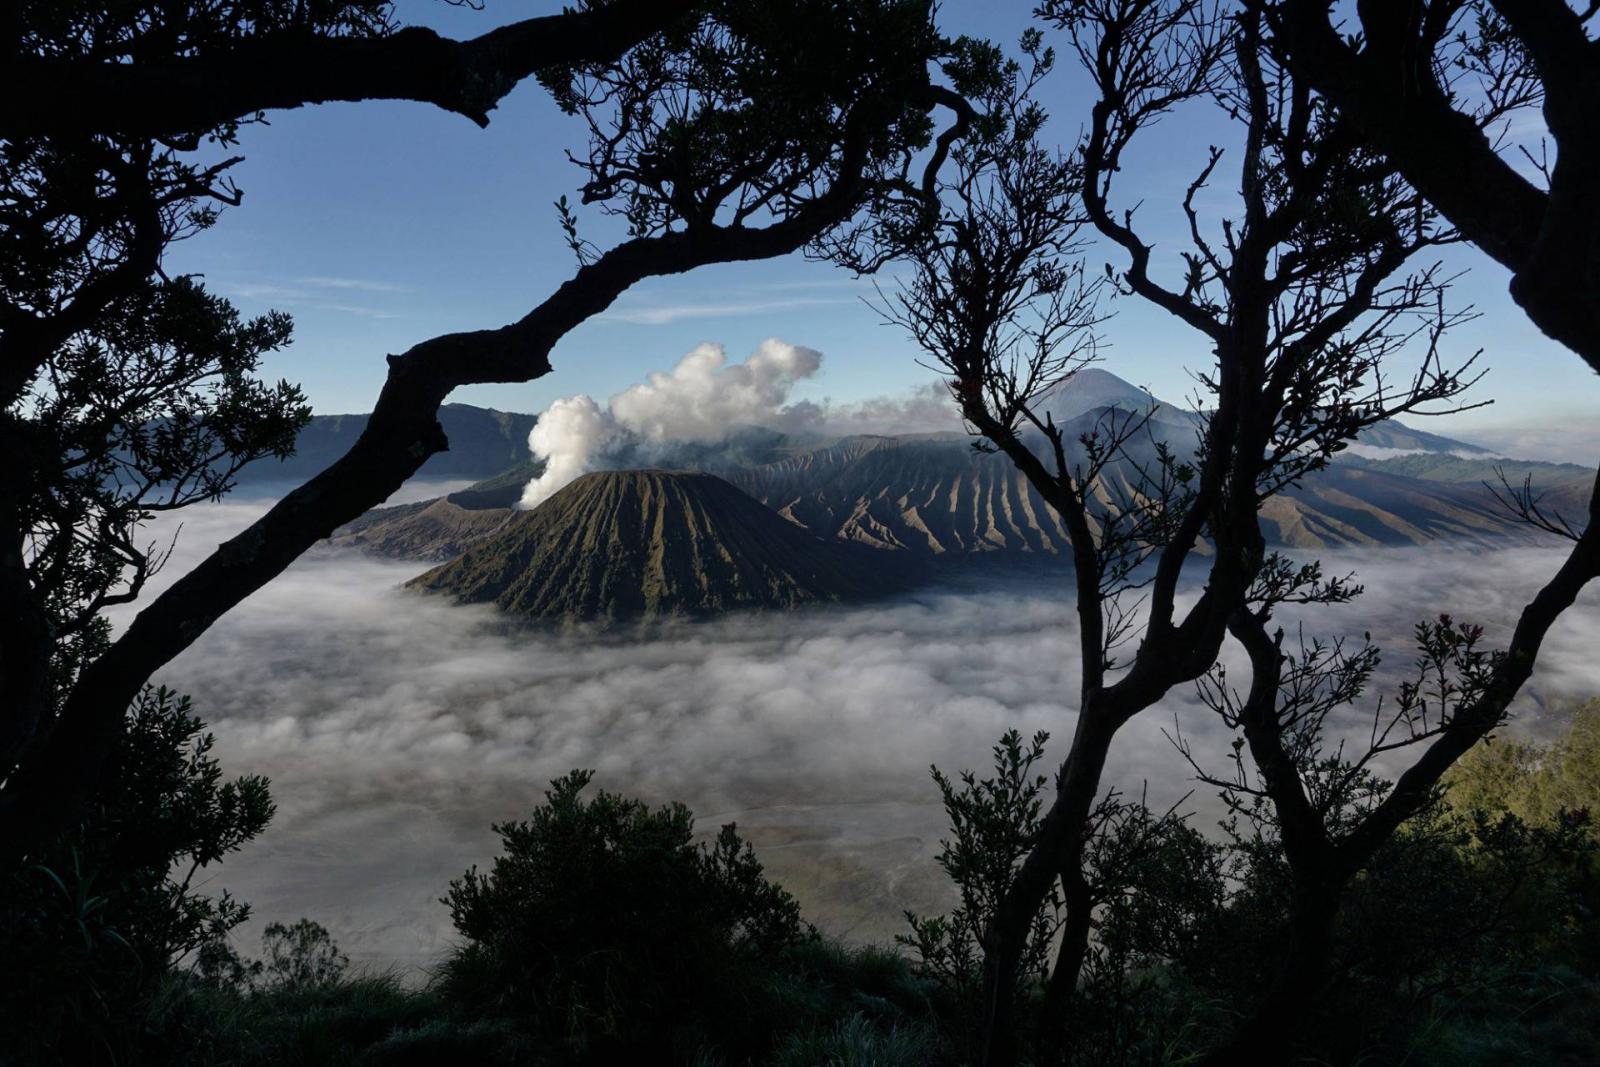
(380, 225)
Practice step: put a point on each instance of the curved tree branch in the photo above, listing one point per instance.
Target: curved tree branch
(40, 96)
(401, 434)
(1388, 86)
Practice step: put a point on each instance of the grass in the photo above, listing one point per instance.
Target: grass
(818, 1003)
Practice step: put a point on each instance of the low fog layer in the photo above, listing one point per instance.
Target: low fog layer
(396, 728)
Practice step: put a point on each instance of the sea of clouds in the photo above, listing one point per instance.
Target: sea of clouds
(396, 728)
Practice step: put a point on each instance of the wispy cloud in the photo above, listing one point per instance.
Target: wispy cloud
(355, 309)
(314, 292)
(1555, 440)
(261, 290)
(365, 285)
(1356, 448)
(666, 314)
(859, 284)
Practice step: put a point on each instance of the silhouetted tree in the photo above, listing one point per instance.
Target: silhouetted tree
(1446, 90)
(1153, 883)
(604, 926)
(1301, 298)
(1316, 800)
(737, 131)
(1435, 87)
(84, 68)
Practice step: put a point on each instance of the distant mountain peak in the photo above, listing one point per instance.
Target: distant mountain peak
(1092, 389)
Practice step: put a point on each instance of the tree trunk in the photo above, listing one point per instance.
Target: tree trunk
(1060, 847)
(1265, 1037)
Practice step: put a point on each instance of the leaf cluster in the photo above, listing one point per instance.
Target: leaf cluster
(93, 924)
(751, 114)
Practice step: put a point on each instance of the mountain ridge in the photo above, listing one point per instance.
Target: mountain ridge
(619, 545)
(931, 496)
(485, 442)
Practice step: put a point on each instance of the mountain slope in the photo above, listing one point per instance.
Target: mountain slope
(433, 530)
(1349, 507)
(628, 544)
(483, 442)
(930, 495)
(1391, 433)
(935, 496)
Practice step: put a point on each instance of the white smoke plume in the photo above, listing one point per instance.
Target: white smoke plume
(700, 399)
(567, 434)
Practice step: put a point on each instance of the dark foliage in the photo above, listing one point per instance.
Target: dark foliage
(1444, 936)
(91, 928)
(604, 925)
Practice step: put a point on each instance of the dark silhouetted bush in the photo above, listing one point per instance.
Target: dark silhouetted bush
(604, 926)
(91, 926)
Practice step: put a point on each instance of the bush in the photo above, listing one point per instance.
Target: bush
(603, 926)
(297, 1004)
(858, 1041)
(1533, 781)
(993, 824)
(1153, 884)
(443, 1040)
(300, 957)
(91, 926)
(1488, 885)
(1449, 930)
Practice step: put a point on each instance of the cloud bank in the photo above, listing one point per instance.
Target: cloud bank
(1555, 440)
(927, 408)
(396, 727)
(1381, 452)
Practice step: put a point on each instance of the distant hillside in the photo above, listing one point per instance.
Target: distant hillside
(1349, 507)
(1093, 389)
(1450, 467)
(483, 442)
(1391, 433)
(933, 496)
(431, 530)
(637, 544)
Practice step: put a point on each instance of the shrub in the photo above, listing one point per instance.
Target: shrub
(91, 925)
(603, 926)
(1152, 884)
(443, 1040)
(299, 957)
(1533, 781)
(993, 824)
(858, 1041)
